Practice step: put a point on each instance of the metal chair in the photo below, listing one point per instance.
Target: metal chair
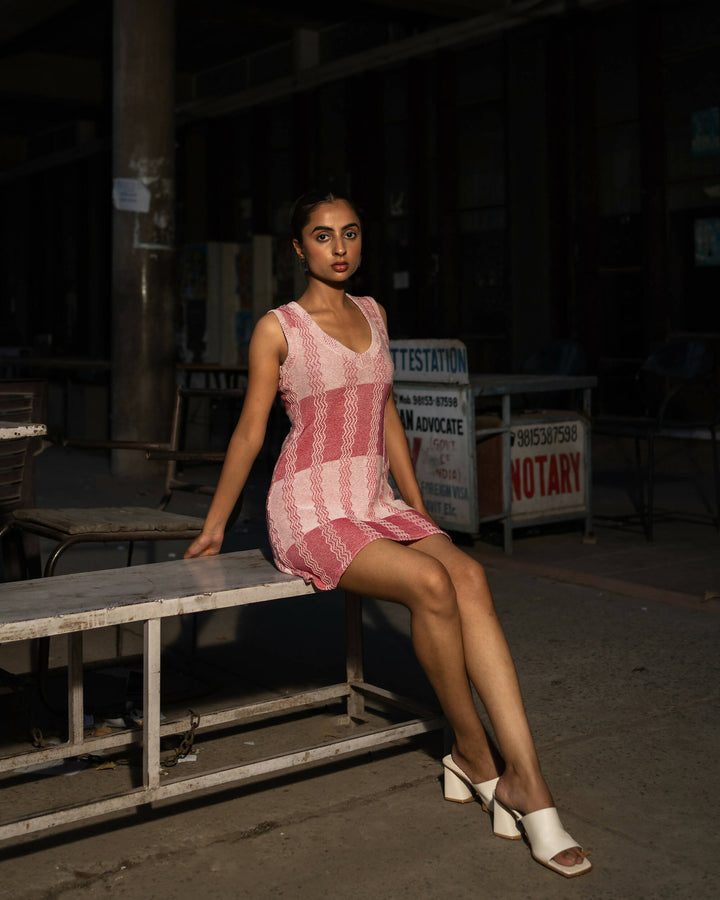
(662, 383)
(71, 526)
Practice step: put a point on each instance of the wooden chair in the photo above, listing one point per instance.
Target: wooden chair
(71, 526)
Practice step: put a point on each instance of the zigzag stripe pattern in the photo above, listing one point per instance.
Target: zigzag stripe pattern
(350, 426)
(289, 501)
(318, 389)
(330, 495)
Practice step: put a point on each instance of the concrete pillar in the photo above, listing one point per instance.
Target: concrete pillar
(143, 352)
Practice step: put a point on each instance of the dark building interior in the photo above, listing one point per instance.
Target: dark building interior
(527, 170)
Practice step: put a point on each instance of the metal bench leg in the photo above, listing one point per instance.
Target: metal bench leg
(119, 628)
(43, 647)
(354, 654)
(151, 704)
(42, 666)
(76, 703)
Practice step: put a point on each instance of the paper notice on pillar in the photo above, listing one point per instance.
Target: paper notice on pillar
(547, 468)
(439, 425)
(130, 195)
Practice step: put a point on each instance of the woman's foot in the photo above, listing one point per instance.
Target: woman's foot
(515, 792)
(460, 787)
(478, 768)
(530, 795)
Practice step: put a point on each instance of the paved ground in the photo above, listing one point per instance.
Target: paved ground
(616, 643)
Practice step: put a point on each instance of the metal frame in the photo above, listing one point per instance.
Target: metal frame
(69, 527)
(72, 604)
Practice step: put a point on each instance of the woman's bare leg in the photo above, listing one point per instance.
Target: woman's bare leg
(492, 672)
(392, 571)
(456, 633)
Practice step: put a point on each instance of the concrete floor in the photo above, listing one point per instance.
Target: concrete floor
(616, 644)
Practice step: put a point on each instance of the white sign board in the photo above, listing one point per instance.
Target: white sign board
(439, 424)
(429, 360)
(547, 468)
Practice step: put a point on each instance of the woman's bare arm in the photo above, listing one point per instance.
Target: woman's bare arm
(401, 466)
(267, 351)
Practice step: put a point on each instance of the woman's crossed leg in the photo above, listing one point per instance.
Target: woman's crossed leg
(456, 635)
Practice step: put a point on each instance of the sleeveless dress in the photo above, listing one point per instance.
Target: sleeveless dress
(330, 494)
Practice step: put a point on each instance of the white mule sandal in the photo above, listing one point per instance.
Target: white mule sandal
(547, 837)
(459, 789)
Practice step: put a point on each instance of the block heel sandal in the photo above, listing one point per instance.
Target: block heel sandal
(547, 837)
(459, 789)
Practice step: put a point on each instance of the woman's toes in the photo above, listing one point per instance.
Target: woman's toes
(571, 857)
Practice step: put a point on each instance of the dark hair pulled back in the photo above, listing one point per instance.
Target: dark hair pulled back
(303, 208)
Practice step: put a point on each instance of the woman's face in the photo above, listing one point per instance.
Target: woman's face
(331, 242)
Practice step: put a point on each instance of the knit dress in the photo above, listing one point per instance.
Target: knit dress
(330, 495)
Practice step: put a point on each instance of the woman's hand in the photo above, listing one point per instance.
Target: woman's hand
(422, 509)
(205, 544)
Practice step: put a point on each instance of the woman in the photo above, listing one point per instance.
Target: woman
(332, 519)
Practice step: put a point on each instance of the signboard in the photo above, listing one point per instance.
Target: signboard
(439, 424)
(430, 360)
(436, 406)
(452, 456)
(547, 467)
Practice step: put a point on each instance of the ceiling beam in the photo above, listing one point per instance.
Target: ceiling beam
(428, 42)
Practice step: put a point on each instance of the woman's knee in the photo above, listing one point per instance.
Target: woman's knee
(474, 574)
(433, 589)
(472, 585)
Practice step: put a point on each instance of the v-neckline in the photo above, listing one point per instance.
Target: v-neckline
(334, 342)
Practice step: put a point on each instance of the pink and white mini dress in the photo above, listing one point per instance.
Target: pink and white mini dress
(330, 494)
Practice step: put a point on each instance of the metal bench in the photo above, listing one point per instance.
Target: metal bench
(74, 604)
